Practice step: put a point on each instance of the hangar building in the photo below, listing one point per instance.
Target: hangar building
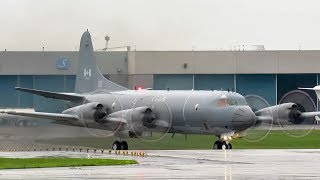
(265, 77)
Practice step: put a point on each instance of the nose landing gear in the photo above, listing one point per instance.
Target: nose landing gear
(222, 145)
(120, 145)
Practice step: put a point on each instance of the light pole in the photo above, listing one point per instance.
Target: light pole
(107, 38)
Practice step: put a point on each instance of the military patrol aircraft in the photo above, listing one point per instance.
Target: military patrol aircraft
(101, 104)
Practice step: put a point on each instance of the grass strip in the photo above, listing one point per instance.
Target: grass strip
(22, 163)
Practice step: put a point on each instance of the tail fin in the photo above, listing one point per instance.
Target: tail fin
(316, 89)
(89, 78)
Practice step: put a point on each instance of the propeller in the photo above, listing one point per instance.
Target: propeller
(256, 103)
(156, 118)
(287, 114)
(295, 115)
(303, 103)
(149, 118)
(99, 114)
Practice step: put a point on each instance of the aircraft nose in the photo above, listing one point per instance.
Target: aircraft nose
(242, 118)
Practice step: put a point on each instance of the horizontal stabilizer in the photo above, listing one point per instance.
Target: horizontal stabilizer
(54, 95)
(51, 116)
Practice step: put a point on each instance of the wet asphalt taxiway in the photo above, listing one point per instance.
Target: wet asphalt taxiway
(181, 164)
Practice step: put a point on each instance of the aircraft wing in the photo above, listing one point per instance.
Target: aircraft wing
(310, 114)
(54, 95)
(307, 88)
(316, 89)
(264, 118)
(52, 116)
(61, 118)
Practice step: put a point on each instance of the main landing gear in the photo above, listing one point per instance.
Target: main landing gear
(120, 145)
(222, 145)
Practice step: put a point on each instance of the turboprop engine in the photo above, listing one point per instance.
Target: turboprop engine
(93, 111)
(283, 114)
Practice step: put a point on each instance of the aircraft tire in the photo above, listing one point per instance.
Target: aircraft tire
(116, 145)
(217, 145)
(224, 145)
(229, 146)
(124, 145)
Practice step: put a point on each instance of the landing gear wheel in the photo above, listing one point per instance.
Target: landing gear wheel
(124, 145)
(116, 145)
(217, 145)
(224, 145)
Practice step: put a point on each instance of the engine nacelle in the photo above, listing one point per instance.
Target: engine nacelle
(93, 111)
(282, 114)
(137, 117)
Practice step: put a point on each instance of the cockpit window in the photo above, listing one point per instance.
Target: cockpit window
(223, 102)
(232, 102)
(242, 101)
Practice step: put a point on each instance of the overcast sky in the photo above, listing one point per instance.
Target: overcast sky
(160, 24)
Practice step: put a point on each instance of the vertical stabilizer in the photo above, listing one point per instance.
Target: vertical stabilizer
(89, 77)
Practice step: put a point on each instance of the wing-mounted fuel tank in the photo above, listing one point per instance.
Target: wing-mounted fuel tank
(283, 114)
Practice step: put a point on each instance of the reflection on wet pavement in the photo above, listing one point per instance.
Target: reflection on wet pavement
(184, 164)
